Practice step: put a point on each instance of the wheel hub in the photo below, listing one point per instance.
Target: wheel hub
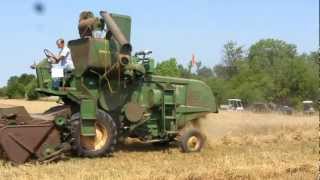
(193, 143)
(95, 142)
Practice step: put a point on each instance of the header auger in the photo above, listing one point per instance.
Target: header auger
(109, 96)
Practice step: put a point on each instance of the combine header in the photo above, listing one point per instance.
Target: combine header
(24, 137)
(109, 96)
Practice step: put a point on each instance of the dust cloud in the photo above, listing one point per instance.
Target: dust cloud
(246, 125)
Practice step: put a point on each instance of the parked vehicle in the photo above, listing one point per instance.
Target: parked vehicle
(285, 110)
(233, 105)
(308, 107)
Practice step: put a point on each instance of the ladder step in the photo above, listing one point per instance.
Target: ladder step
(168, 103)
(170, 117)
(172, 132)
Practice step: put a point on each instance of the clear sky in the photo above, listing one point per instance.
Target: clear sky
(169, 28)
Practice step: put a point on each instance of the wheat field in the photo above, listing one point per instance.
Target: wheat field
(240, 145)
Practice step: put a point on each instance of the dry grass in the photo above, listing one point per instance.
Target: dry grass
(31, 106)
(241, 146)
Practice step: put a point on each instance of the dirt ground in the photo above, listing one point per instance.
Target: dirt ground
(241, 145)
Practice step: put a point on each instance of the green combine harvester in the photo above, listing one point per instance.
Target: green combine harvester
(111, 95)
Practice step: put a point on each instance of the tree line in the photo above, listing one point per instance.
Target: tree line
(270, 70)
(22, 86)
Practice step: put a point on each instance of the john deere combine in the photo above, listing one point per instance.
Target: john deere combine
(111, 95)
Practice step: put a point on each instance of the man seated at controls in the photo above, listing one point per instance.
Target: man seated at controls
(61, 62)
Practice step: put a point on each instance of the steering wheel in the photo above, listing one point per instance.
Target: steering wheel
(49, 55)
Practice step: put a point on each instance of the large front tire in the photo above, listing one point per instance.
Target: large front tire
(102, 143)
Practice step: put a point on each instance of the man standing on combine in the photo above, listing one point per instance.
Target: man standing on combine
(65, 61)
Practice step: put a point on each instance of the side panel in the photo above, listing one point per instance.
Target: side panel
(193, 99)
(91, 53)
(200, 95)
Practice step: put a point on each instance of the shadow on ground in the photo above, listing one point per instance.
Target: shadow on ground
(145, 147)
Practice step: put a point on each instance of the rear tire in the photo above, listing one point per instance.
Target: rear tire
(100, 145)
(191, 140)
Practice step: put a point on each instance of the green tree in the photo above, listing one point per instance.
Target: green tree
(232, 53)
(272, 71)
(184, 72)
(3, 91)
(168, 68)
(291, 77)
(14, 88)
(20, 86)
(266, 54)
(220, 71)
(26, 79)
(205, 72)
(30, 91)
(219, 88)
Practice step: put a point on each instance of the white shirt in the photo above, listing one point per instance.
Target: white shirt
(66, 62)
